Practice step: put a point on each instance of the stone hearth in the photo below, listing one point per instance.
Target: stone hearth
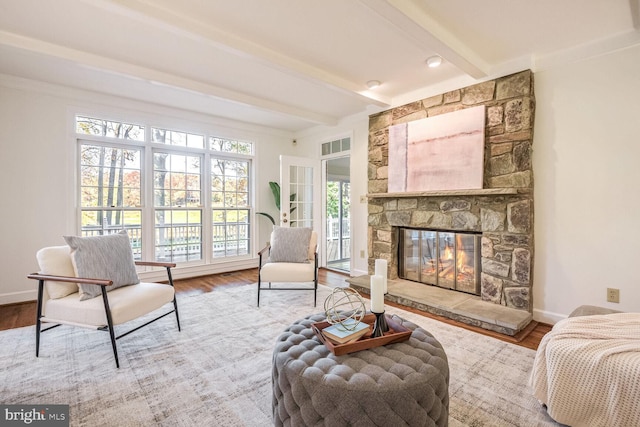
(458, 306)
(502, 210)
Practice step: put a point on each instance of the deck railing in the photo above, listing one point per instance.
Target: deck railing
(333, 239)
(182, 242)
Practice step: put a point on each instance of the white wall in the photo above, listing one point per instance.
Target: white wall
(37, 170)
(587, 175)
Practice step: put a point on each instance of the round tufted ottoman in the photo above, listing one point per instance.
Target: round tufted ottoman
(402, 384)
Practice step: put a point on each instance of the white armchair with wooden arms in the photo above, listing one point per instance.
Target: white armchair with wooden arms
(290, 257)
(92, 282)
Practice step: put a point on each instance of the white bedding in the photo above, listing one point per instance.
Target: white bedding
(587, 371)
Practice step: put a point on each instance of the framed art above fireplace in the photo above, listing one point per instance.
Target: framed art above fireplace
(444, 152)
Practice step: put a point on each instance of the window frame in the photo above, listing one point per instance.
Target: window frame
(249, 207)
(108, 142)
(169, 150)
(147, 206)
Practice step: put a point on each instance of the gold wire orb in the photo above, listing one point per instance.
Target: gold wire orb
(343, 304)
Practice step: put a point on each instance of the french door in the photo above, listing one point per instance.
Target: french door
(300, 192)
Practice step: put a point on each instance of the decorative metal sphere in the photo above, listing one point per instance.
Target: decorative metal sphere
(344, 304)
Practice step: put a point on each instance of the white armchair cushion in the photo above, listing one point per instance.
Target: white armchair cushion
(103, 257)
(290, 244)
(56, 261)
(288, 272)
(126, 303)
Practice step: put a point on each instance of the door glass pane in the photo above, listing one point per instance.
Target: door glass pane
(338, 198)
(466, 262)
(429, 257)
(411, 252)
(301, 196)
(345, 223)
(446, 273)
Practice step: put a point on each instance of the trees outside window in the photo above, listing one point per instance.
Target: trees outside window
(230, 207)
(115, 182)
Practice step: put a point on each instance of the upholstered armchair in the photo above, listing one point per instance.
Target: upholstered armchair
(92, 282)
(291, 256)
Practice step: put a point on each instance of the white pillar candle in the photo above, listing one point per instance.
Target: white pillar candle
(377, 294)
(381, 270)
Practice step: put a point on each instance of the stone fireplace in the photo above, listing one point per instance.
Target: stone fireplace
(501, 213)
(503, 221)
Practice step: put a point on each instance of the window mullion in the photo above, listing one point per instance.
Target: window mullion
(205, 204)
(149, 207)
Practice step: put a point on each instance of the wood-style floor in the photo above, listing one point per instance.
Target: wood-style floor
(24, 314)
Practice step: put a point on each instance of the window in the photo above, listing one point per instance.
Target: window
(336, 146)
(161, 202)
(230, 207)
(99, 127)
(178, 216)
(110, 191)
(230, 146)
(182, 139)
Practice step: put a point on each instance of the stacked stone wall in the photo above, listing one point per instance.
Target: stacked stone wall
(506, 221)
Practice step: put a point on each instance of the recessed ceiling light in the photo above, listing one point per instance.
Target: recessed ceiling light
(372, 84)
(434, 61)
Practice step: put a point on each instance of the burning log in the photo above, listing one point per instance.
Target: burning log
(447, 270)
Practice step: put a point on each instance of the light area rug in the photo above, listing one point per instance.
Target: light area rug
(217, 371)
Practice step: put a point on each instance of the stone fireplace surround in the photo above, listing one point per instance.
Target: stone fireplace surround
(502, 211)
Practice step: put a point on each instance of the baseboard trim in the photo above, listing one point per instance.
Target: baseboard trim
(547, 317)
(198, 270)
(17, 297)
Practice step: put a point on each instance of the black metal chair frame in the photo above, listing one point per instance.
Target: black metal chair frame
(267, 249)
(103, 284)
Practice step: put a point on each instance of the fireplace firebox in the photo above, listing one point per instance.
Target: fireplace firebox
(443, 258)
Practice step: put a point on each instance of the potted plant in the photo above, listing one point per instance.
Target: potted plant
(275, 190)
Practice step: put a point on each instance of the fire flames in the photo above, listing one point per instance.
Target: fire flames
(447, 260)
(463, 270)
(461, 262)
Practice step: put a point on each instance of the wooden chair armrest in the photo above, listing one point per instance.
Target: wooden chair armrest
(83, 280)
(263, 250)
(156, 264)
(167, 265)
(261, 258)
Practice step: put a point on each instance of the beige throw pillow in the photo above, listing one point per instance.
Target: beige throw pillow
(290, 244)
(56, 261)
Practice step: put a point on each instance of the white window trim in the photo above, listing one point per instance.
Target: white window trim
(208, 264)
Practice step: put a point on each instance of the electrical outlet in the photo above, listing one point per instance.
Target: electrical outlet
(362, 253)
(613, 295)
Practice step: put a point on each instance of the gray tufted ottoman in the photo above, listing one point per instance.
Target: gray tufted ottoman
(402, 384)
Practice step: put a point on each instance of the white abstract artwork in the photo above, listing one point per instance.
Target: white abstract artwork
(444, 152)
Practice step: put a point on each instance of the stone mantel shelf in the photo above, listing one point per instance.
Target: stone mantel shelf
(476, 192)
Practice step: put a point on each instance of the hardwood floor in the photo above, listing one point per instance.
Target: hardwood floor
(24, 314)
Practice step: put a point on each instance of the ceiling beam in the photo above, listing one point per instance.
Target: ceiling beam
(152, 76)
(197, 30)
(634, 6)
(412, 20)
